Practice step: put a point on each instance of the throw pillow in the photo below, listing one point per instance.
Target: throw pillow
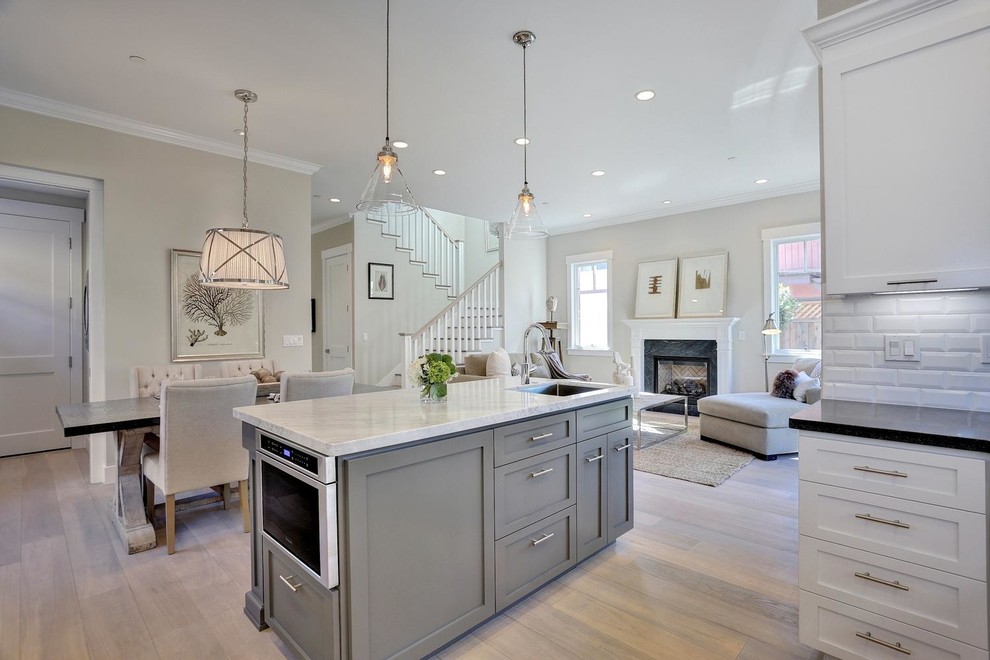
(783, 384)
(806, 365)
(474, 365)
(817, 371)
(498, 363)
(802, 384)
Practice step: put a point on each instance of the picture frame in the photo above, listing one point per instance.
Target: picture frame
(656, 289)
(213, 323)
(491, 237)
(381, 281)
(701, 289)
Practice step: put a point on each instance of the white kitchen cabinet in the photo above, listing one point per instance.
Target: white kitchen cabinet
(906, 145)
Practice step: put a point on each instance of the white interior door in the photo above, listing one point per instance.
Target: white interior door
(35, 328)
(337, 312)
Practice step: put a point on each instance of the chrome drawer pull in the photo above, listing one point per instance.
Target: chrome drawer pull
(543, 436)
(540, 473)
(544, 538)
(889, 645)
(294, 587)
(595, 458)
(895, 584)
(895, 523)
(889, 473)
(623, 447)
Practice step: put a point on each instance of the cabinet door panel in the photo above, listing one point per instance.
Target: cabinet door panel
(420, 531)
(531, 557)
(592, 514)
(514, 442)
(529, 490)
(619, 482)
(596, 420)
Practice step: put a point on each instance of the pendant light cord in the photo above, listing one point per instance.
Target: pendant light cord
(244, 224)
(388, 22)
(525, 131)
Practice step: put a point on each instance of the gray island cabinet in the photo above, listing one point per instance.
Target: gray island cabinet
(474, 505)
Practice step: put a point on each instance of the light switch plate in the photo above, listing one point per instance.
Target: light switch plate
(901, 348)
(292, 340)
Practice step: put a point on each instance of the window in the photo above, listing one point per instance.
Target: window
(793, 262)
(590, 303)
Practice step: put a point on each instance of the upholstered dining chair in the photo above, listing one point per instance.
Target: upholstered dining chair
(147, 381)
(200, 443)
(315, 385)
(245, 367)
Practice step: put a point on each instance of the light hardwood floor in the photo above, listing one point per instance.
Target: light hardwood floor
(706, 573)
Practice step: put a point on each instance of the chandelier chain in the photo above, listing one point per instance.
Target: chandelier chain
(388, 23)
(244, 224)
(525, 126)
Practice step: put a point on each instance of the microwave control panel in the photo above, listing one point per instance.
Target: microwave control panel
(298, 457)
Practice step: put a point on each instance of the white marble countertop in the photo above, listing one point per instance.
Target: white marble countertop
(342, 425)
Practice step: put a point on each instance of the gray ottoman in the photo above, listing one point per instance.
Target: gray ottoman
(754, 421)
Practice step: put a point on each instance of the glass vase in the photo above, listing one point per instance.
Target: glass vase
(433, 393)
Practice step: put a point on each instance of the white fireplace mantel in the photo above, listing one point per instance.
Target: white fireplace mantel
(719, 329)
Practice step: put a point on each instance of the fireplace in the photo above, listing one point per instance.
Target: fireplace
(688, 367)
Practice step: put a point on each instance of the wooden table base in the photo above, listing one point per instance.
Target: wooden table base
(127, 507)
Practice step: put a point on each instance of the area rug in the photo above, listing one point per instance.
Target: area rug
(687, 456)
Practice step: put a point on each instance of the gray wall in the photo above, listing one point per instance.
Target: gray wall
(734, 229)
(324, 240)
(829, 7)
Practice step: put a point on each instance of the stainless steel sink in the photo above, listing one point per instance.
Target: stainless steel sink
(559, 389)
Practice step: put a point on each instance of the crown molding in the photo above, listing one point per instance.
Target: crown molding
(331, 223)
(58, 110)
(863, 18)
(742, 198)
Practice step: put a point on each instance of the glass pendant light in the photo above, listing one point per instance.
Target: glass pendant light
(525, 221)
(387, 194)
(243, 258)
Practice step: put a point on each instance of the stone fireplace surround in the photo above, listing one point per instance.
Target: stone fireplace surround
(719, 329)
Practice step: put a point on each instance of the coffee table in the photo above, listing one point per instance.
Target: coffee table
(650, 401)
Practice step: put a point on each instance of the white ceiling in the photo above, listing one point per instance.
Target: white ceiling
(733, 80)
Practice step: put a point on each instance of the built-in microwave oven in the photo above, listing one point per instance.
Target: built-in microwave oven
(298, 501)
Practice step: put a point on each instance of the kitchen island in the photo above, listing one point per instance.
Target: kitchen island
(386, 527)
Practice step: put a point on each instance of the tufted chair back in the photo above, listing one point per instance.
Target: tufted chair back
(305, 385)
(245, 367)
(147, 381)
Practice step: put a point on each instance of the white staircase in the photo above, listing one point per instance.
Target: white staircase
(472, 322)
(428, 245)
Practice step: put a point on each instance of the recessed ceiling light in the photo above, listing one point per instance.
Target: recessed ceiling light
(645, 95)
(137, 58)
(666, 201)
(335, 200)
(316, 196)
(399, 144)
(521, 141)
(439, 172)
(585, 215)
(762, 181)
(598, 173)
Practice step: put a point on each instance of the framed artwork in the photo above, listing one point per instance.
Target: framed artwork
(491, 237)
(211, 323)
(656, 289)
(701, 288)
(380, 282)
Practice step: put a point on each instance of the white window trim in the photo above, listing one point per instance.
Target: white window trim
(603, 255)
(769, 236)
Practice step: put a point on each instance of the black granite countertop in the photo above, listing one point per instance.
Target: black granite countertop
(936, 427)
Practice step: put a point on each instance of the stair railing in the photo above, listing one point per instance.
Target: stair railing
(428, 244)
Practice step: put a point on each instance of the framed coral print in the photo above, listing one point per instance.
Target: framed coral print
(701, 288)
(380, 281)
(210, 323)
(656, 289)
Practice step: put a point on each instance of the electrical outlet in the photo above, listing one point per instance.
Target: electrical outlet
(901, 348)
(292, 340)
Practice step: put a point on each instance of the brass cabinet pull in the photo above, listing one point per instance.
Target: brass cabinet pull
(889, 473)
(294, 587)
(541, 472)
(890, 645)
(543, 538)
(623, 447)
(542, 436)
(895, 584)
(595, 458)
(893, 523)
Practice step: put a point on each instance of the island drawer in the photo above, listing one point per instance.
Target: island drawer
(304, 613)
(531, 489)
(535, 436)
(934, 477)
(849, 632)
(935, 536)
(526, 560)
(941, 602)
(596, 420)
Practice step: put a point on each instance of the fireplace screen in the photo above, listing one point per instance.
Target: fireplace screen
(685, 376)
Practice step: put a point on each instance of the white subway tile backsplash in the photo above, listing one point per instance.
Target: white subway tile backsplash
(918, 379)
(974, 303)
(970, 382)
(853, 392)
(836, 374)
(945, 399)
(896, 323)
(981, 401)
(921, 304)
(875, 305)
(968, 343)
(902, 396)
(852, 358)
(979, 323)
(934, 341)
(839, 306)
(868, 342)
(875, 376)
(852, 324)
(838, 341)
(945, 361)
(944, 323)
